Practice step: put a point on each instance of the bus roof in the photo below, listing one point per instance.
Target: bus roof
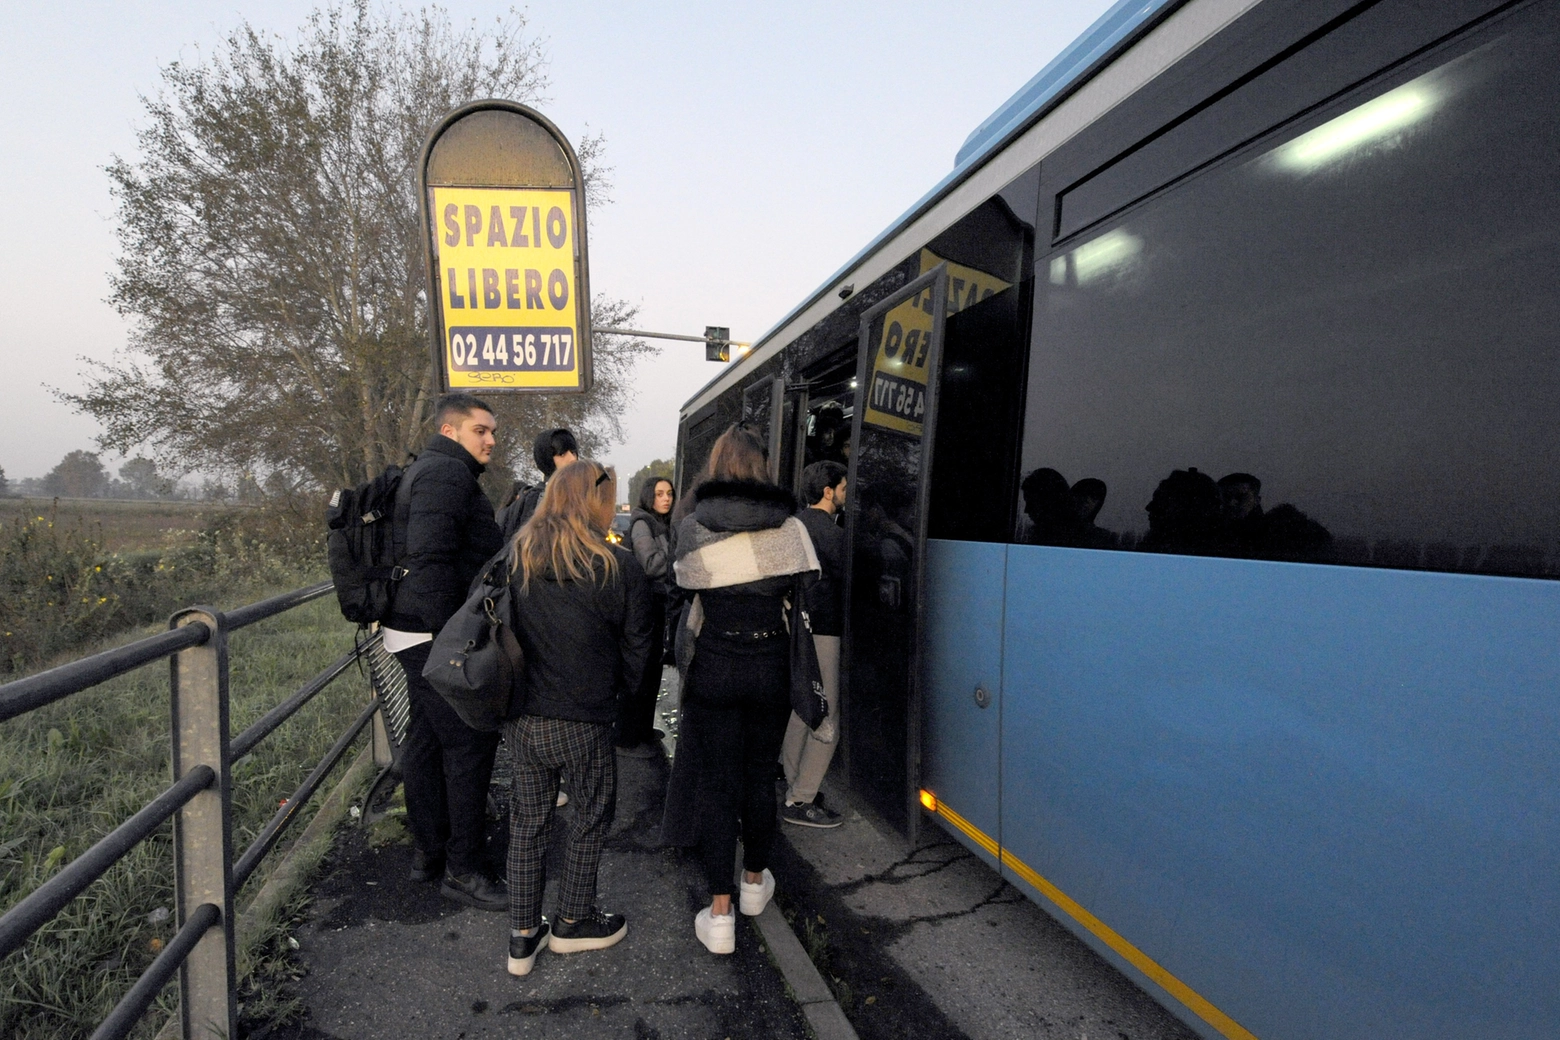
(1098, 44)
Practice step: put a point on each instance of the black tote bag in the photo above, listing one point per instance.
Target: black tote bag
(807, 698)
(476, 661)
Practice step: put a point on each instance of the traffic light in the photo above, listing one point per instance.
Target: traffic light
(717, 343)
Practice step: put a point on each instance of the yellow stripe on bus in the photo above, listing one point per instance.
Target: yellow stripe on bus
(1134, 956)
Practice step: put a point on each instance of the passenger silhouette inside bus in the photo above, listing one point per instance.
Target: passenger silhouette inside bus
(1282, 533)
(828, 435)
(1185, 514)
(1056, 514)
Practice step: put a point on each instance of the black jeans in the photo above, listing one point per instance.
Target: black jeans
(739, 701)
(636, 711)
(445, 766)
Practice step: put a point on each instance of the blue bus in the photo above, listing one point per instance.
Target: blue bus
(1203, 434)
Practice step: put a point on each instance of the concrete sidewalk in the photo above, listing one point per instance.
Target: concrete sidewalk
(387, 959)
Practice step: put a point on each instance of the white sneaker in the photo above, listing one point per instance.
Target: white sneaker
(754, 898)
(718, 934)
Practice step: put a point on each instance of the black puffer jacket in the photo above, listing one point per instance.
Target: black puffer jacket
(732, 506)
(585, 642)
(450, 534)
(825, 596)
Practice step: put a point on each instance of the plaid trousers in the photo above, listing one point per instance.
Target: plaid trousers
(540, 748)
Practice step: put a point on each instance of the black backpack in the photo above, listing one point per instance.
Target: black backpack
(512, 516)
(362, 546)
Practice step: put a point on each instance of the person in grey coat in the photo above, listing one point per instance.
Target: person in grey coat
(649, 535)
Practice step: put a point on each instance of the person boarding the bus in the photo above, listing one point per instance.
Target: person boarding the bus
(740, 553)
(445, 765)
(803, 755)
(582, 613)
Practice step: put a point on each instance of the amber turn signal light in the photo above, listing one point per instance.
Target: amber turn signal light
(928, 800)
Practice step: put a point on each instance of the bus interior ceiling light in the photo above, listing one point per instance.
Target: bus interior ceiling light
(1357, 128)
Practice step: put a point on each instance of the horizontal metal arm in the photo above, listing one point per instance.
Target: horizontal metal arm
(672, 335)
(35, 691)
(246, 741)
(49, 898)
(287, 813)
(133, 1005)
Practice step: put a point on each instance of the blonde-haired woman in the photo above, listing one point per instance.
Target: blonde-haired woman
(582, 613)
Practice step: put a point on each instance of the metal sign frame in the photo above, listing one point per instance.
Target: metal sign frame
(484, 167)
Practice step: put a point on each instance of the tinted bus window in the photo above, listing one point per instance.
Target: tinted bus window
(974, 455)
(1354, 323)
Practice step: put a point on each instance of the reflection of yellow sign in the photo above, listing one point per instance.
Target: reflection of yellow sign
(896, 396)
(508, 286)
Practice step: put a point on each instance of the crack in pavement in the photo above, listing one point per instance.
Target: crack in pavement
(889, 875)
(536, 1006)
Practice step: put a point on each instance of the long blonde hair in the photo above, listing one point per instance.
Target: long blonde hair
(568, 532)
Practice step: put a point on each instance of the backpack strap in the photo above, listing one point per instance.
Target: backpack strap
(401, 519)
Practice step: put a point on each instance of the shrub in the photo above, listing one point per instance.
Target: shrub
(59, 589)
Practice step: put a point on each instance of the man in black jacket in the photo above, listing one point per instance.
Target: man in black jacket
(806, 758)
(446, 765)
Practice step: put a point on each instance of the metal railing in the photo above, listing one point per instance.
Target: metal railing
(199, 801)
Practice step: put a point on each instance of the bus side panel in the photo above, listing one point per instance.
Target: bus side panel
(1326, 799)
(963, 634)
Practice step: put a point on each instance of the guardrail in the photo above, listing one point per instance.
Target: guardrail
(199, 801)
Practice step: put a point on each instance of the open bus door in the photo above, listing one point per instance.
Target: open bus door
(898, 370)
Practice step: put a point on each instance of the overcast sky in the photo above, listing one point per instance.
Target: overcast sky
(755, 151)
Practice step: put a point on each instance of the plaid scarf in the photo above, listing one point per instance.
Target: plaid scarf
(719, 559)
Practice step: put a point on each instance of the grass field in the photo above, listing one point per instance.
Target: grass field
(122, 525)
(82, 570)
(71, 772)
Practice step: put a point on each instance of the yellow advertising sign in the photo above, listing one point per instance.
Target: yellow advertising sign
(508, 287)
(896, 394)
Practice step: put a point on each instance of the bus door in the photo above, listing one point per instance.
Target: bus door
(898, 370)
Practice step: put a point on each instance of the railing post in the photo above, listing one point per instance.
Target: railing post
(202, 831)
(383, 756)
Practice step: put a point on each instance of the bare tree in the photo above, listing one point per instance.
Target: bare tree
(271, 258)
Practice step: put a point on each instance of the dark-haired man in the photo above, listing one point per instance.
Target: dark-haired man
(553, 450)
(449, 534)
(804, 757)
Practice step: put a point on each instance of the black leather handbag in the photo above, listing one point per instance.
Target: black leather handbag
(476, 661)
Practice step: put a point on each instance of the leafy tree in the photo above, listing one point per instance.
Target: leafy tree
(654, 468)
(142, 479)
(5, 485)
(271, 258)
(80, 474)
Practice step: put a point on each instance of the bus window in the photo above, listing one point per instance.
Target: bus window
(1338, 345)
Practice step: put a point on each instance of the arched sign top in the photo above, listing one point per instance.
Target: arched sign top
(503, 215)
(497, 146)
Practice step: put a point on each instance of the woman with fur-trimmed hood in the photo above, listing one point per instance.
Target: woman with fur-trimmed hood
(738, 552)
